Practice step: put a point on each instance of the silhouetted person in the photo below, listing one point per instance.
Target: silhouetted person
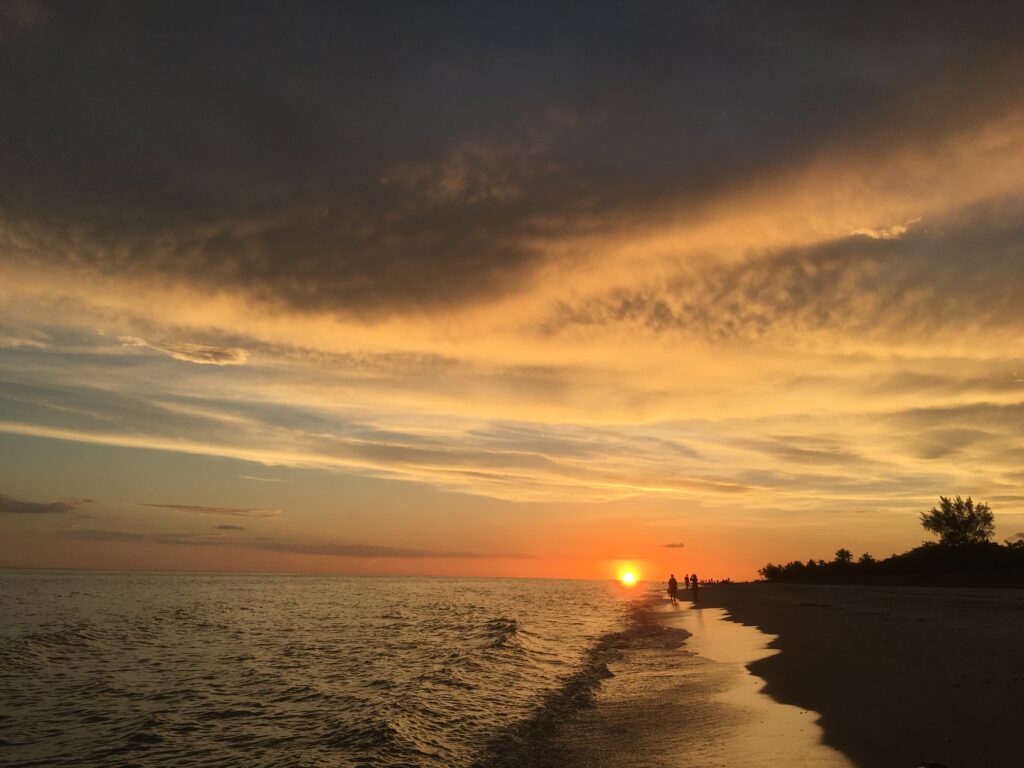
(693, 584)
(686, 580)
(673, 587)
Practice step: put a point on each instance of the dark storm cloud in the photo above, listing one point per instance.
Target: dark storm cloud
(22, 507)
(370, 157)
(965, 271)
(23, 14)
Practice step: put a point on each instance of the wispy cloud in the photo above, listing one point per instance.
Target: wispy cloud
(173, 539)
(201, 354)
(371, 551)
(325, 549)
(894, 232)
(257, 479)
(229, 527)
(224, 511)
(22, 507)
(677, 545)
(871, 287)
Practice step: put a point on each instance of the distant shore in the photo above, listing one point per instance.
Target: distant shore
(899, 675)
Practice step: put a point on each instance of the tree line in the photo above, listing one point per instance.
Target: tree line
(964, 555)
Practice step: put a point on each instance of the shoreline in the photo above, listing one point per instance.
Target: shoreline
(679, 695)
(899, 675)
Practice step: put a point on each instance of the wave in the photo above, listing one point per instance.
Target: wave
(44, 647)
(501, 630)
(529, 742)
(393, 672)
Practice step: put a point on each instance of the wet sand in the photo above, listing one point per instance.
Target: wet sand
(693, 705)
(899, 675)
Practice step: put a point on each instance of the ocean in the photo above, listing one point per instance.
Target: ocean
(162, 669)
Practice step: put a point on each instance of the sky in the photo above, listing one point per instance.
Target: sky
(506, 290)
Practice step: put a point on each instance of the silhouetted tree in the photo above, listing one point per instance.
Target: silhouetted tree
(958, 522)
(771, 572)
(968, 558)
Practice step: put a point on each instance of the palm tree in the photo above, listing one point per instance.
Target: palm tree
(844, 556)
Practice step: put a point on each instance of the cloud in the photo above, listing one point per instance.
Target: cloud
(477, 171)
(171, 539)
(229, 527)
(15, 337)
(201, 354)
(25, 14)
(261, 479)
(803, 450)
(225, 511)
(796, 459)
(21, 507)
(460, 185)
(371, 551)
(327, 549)
(895, 232)
(854, 286)
(678, 545)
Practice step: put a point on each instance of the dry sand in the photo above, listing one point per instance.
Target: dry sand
(900, 675)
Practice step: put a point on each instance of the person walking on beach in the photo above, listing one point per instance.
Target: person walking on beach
(693, 584)
(686, 581)
(673, 588)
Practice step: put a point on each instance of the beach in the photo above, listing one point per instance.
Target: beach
(899, 675)
(689, 703)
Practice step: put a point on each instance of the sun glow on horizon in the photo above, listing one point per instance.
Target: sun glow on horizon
(628, 578)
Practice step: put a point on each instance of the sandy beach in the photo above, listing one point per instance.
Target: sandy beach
(899, 675)
(683, 698)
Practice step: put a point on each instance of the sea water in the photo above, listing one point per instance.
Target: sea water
(101, 669)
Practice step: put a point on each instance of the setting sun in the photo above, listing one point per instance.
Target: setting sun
(628, 578)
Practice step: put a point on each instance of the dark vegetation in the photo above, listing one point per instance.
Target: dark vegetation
(964, 556)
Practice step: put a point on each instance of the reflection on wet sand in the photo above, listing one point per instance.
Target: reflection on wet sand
(695, 706)
(774, 734)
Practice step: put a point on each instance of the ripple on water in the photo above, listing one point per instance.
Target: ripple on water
(179, 669)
